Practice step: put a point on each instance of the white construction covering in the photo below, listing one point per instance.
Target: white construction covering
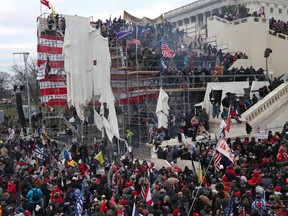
(162, 109)
(102, 62)
(112, 129)
(233, 87)
(78, 65)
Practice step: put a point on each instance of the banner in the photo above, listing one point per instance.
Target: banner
(224, 149)
(130, 18)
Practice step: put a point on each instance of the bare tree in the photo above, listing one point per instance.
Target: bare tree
(5, 80)
(19, 78)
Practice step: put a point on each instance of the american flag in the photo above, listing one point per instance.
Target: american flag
(79, 202)
(144, 192)
(229, 211)
(134, 41)
(166, 51)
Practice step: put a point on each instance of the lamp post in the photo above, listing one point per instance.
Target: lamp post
(25, 57)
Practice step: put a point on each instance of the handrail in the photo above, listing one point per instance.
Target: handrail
(280, 94)
(278, 35)
(238, 21)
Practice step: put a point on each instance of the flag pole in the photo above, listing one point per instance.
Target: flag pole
(206, 171)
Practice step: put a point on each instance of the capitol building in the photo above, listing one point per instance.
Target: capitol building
(248, 34)
(196, 14)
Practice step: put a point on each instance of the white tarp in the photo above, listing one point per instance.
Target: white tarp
(101, 62)
(113, 128)
(256, 85)
(233, 87)
(162, 109)
(78, 65)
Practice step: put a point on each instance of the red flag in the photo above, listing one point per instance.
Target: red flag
(228, 125)
(134, 41)
(46, 3)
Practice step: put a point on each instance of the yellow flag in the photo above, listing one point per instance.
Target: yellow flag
(99, 157)
(72, 163)
(53, 13)
(200, 175)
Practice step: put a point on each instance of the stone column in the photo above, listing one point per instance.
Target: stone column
(196, 22)
(204, 19)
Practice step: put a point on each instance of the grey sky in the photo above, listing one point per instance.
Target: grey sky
(18, 20)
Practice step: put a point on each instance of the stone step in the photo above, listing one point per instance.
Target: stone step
(142, 152)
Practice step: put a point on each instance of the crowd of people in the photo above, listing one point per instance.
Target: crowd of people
(40, 176)
(278, 26)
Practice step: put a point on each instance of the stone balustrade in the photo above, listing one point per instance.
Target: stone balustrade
(277, 97)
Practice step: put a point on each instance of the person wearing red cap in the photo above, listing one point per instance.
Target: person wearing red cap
(255, 179)
(282, 157)
(230, 173)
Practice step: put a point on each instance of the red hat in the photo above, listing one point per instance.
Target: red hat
(228, 184)
(97, 181)
(184, 187)
(120, 212)
(134, 193)
(278, 188)
(256, 174)
(124, 202)
(226, 188)
(137, 171)
(237, 194)
(225, 178)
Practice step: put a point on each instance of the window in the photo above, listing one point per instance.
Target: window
(280, 11)
(271, 10)
(193, 19)
(180, 23)
(186, 21)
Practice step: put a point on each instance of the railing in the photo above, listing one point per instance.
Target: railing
(239, 21)
(185, 81)
(279, 95)
(278, 35)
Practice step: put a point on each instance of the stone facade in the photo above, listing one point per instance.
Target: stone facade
(193, 17)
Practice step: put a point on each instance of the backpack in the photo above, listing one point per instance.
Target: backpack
(35, 195)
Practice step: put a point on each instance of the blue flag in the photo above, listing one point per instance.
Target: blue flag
(163, 65)
(135, 212)
(142, 29)
(123, 34)
(229, 210)
(79, 202)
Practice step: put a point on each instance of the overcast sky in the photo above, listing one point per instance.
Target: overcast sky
(18, 20)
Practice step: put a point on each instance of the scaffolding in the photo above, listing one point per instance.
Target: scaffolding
(136, 80)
